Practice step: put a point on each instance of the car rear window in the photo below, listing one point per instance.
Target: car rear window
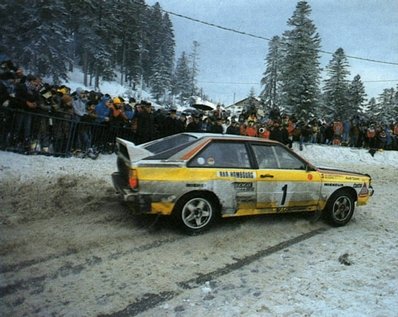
(169, 143)
(170, 152)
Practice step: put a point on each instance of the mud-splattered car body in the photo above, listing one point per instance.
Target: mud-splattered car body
(195, 177)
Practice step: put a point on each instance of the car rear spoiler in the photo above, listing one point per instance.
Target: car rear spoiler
(130, 151)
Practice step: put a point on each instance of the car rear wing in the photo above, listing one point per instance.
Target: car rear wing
(130, 152)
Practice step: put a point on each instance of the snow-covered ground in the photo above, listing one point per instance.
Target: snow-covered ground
(68, 248)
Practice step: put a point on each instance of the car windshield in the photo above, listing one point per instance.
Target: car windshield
(169, 143)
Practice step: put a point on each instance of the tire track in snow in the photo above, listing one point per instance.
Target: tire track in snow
(38, 282)
(149, 301)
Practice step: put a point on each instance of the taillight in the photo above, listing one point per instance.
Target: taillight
(133, 179)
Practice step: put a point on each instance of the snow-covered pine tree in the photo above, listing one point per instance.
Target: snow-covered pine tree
(252, 93)
(387, 106)
(194, 61)
(159, 80)
(90, 24)
(301, 68)
(356, 96)
(182, 78)
(337, 85)
(155, 38)
(372, 109)
(168, 50)
(271, 94)
(34, 35)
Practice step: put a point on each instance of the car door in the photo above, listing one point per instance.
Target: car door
(284, 181)
(233, 177)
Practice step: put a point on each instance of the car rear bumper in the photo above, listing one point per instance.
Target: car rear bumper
(141, 203)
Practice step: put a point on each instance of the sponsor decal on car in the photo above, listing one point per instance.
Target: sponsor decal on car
(236, 174)
(243, 187)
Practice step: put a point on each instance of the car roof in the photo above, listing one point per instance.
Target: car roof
(186, 151)
(228, 137)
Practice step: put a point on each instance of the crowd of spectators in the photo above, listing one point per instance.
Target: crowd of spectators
(53, 119)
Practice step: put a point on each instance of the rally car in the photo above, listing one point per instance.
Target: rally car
(197, 177)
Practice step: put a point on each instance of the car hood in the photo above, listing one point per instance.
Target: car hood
(328, 170)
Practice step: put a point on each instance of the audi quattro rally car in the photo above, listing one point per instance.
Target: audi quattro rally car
(195, 177)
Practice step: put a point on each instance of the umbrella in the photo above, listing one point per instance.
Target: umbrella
(202, 106)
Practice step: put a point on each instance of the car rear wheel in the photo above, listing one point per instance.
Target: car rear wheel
(195, 213)
(340, 208)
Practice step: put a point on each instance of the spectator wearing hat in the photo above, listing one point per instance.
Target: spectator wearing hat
(170, 124)
(117, 111)
(145, 123)
(217, 127)
(194, 125)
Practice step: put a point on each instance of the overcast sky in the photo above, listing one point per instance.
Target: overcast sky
(231, 64)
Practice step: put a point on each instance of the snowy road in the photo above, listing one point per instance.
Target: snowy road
(69, 248)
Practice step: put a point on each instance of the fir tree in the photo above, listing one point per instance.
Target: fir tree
(252, 93)
(387, 108)
(271, 94)
(159, 80)
(194, 58)
(90, 26)
(357, 96)
(336, 86)
(182, 78)
(372, 108)
(301, 70)
(168, 50)
(155, 38)
(37, 40)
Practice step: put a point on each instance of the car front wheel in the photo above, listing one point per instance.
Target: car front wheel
(340, 208)
(195, 214)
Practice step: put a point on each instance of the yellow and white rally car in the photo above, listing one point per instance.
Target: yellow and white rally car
(195, 177)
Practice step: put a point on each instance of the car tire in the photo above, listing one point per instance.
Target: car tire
(340, 208)
(195, 213)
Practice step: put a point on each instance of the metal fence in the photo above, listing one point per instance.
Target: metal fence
(59, 133)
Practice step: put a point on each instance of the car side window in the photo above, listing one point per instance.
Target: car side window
(288, 160)
(222, 155)
(265, 156)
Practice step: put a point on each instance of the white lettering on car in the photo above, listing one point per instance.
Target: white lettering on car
(236, 174)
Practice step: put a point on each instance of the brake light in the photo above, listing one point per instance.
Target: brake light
(133, 179)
